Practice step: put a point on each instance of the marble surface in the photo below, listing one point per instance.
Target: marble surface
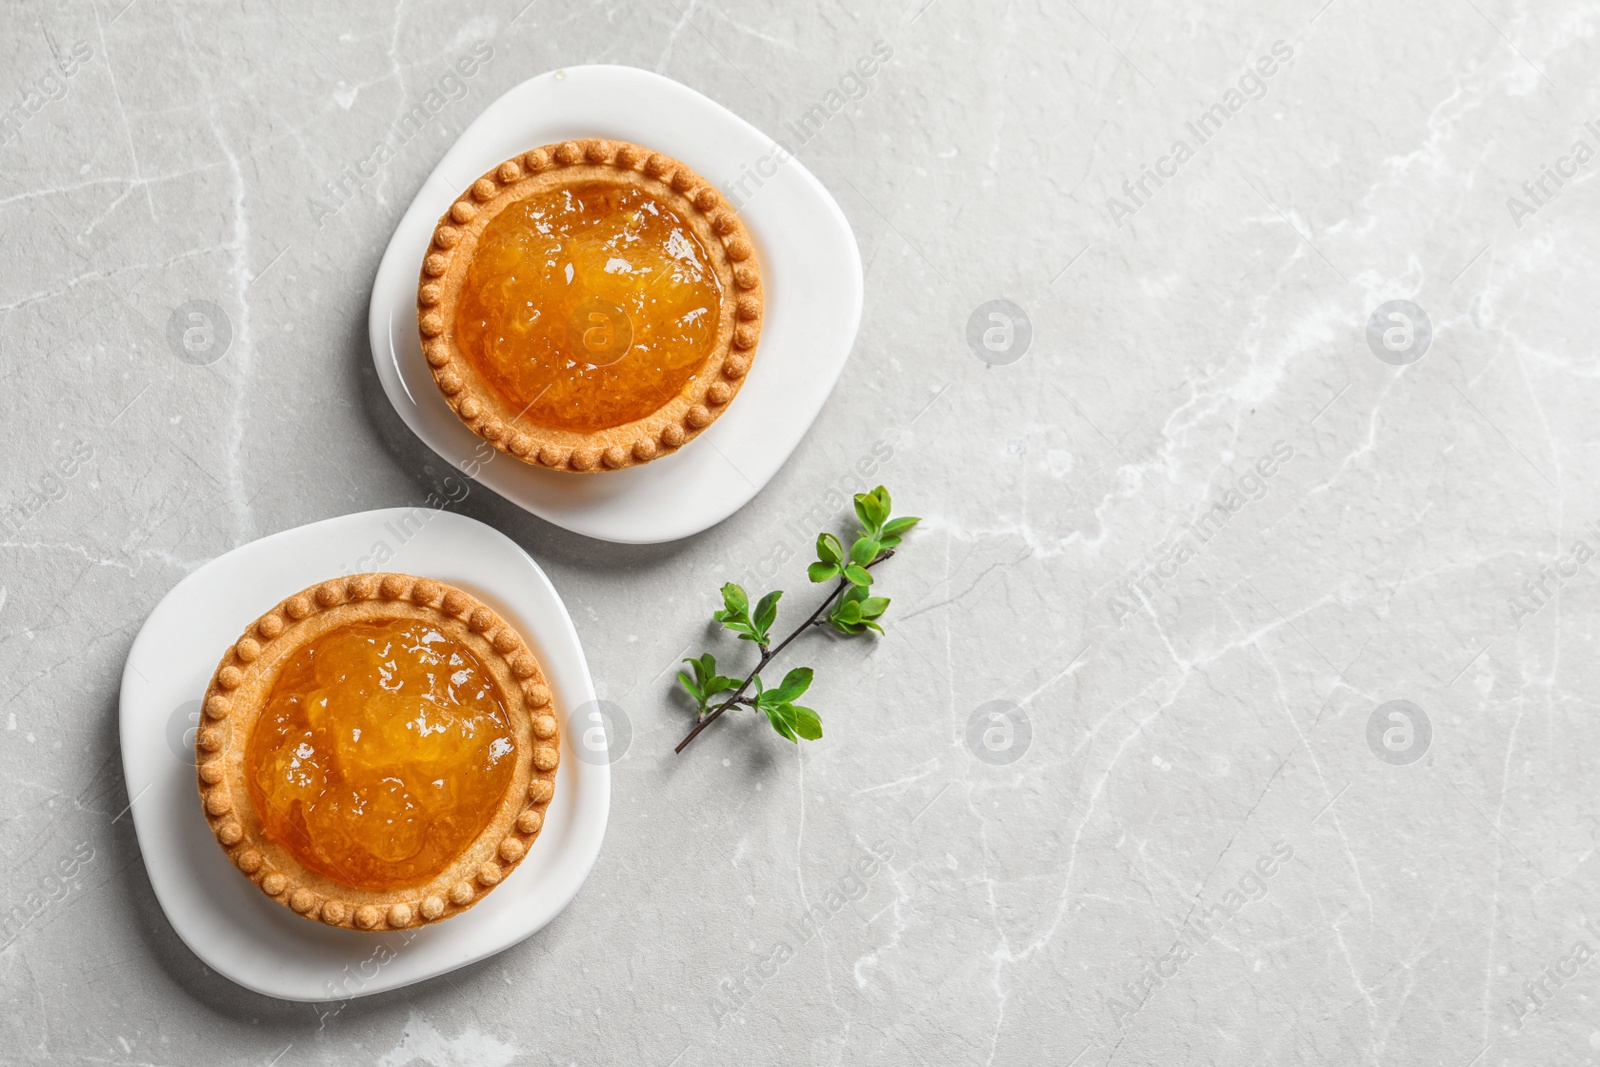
(1124, 782)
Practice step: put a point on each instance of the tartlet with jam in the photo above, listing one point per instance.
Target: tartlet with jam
(377, 752)
(590, 305)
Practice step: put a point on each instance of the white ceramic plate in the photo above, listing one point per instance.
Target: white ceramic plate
(811, 281)
(223, 918)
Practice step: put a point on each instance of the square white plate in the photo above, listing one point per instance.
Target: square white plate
(811, 282)
(219, 914)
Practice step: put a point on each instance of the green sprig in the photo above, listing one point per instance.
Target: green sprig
(849, 610)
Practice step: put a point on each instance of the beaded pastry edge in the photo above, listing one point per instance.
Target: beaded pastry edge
(226, 723)
(663, 431)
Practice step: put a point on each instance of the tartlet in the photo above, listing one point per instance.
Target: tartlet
(590, 305)
(352, 799)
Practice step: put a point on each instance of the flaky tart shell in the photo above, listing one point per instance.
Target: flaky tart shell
(242, 682)
(481, 406)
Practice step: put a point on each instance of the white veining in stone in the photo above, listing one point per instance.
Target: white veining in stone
(1186, 714)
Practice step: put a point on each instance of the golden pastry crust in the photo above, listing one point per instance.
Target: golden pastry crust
(244, 678)
(481, 406)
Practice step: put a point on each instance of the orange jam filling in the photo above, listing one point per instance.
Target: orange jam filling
(588, 306)
(383, 751)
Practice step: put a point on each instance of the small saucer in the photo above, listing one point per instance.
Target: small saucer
(812, 283)
(223, 918)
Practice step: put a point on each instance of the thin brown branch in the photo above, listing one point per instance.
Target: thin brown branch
(768, 655)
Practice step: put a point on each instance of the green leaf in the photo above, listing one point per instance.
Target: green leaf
(779, 715)
(737, 601)
(822, 572)
(864, 514)
(873, 606)
(872, 509)
(793, 722)
(806, 723)
(881, 495)
(847, 616)
(890, 538)
(692, 689)
(795, 683)
(767, 612)
(736, 615)
(857, 575)
(853, 595)
(829, 550)
(706, 682)
(899, 526)
(719, 684)
(864, 551)
(743, 629)
(871, 625)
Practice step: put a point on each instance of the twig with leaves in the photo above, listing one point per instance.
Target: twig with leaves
(849, 610)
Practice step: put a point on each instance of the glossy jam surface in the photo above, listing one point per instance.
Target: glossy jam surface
(382, 751)
(588, 306)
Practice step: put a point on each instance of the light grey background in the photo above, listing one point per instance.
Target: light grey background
(1177, 734)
